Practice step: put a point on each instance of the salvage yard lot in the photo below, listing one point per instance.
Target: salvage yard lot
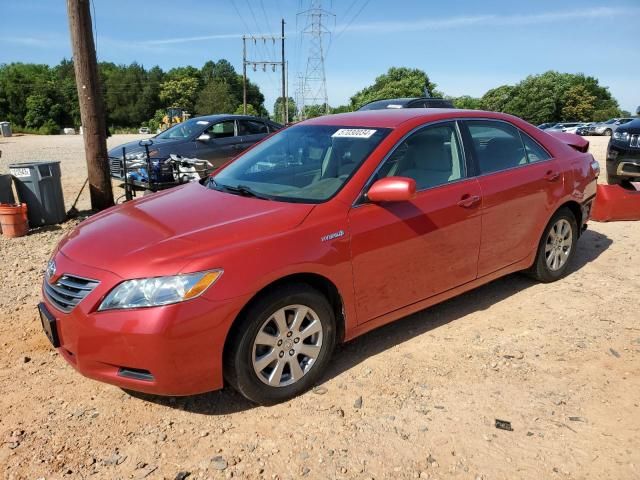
(416, 399)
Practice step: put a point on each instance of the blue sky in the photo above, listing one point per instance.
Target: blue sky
(465, 46)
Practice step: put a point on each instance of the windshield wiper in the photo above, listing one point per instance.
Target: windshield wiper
(239, 190)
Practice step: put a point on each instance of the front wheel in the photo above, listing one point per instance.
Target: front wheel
(282, 344)
(557, 247)
(608, 132)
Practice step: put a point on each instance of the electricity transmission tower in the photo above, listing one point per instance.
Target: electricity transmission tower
(314, 84)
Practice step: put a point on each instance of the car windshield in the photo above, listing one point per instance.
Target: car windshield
(613, 120)
(184, 130)
(305, 163)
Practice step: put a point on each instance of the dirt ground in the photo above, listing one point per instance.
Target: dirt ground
(416, 399)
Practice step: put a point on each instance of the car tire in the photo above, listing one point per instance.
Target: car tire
(608, 132)
(264, 355)
(556, 248)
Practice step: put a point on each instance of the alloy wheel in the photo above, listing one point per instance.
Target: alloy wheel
(558, 244)
(287, 345)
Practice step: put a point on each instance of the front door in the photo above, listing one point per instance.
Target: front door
(405, 252)
(223, 143)
(520, 183)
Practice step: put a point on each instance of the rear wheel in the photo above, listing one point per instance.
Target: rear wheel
(282, 345)
(557, 247)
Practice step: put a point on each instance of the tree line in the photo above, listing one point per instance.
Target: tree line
(43, 99)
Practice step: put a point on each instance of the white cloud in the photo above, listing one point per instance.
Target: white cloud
(444, 23)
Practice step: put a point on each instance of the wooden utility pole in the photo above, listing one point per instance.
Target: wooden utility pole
(285, 100)
(244, 74)
(91, 103)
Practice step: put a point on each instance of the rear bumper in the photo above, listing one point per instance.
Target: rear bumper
(171, 350)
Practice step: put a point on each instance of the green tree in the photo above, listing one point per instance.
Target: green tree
(38, 108)
(553, 96)
(397, 82)
(312, 111)
(467, 102)
(578, 103)
(341, 109)
(251, 110)
(180, 92)
(496, 99)
(278, 109)
(215, 98)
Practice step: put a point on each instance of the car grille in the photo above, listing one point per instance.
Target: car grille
(68, 291)
(115, 167)
(634, 141)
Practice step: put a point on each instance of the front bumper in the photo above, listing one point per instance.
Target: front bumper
(171, 350)
(623, 160)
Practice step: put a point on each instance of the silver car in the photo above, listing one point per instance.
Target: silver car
(607, 128)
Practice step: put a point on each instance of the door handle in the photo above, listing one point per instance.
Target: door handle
(552, 176)
(468, 201)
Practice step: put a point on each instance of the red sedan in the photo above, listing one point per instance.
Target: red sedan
(320, 233)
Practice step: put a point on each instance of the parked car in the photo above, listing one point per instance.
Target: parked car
(607, 128)
(324, 231)
(572, 127)
(216, 138)
(567, 127)
(623, 154)
(395, 103)
(583, 129)
(144, 131)
(544, 126)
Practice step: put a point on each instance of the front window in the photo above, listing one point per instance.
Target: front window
(305, 163)
(184, 130)
(431, 156)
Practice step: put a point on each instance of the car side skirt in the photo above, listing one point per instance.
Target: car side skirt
(441, 297)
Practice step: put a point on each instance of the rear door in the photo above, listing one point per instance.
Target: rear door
(520, 183)
(222, 144)
(251, 131)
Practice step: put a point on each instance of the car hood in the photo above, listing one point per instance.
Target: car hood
(134, 147)
(184, 227)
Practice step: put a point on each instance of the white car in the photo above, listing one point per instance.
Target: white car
(144, 130)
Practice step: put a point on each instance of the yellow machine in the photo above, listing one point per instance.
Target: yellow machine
(174, 115)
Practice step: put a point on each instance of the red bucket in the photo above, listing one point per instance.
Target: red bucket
(13, 219)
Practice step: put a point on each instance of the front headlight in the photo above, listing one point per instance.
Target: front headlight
(140, 155)
(621, 136)
(153, 292)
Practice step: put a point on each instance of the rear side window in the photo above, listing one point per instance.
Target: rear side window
(535, 153)
(497, 145)
(251, 127)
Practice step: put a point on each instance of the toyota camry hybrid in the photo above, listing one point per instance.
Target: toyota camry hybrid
(318, 234)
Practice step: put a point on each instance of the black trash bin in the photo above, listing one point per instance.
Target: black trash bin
(38, 185)
(6, 192)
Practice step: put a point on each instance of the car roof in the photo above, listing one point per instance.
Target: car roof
(392, 118)
(226, 116)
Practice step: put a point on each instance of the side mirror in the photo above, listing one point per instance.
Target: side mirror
(205, 137)
(392, 189)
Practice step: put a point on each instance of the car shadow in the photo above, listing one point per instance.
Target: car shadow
(351, 354)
